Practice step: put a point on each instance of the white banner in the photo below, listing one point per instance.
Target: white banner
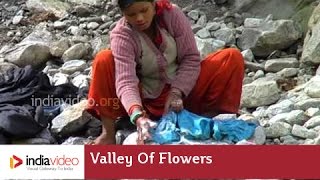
(41, 162)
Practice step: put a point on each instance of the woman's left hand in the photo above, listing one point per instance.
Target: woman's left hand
(174, 101)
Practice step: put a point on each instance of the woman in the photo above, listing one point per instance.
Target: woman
(154, 66)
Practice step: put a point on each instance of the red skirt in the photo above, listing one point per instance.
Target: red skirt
(217, 90)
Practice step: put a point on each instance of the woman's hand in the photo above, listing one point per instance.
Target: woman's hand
(143, 125)
(174, 101)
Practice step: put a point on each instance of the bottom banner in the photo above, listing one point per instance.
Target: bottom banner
(244, 162)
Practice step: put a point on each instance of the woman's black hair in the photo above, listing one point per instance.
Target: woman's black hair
(126, 3)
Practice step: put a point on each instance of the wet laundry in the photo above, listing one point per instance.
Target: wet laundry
(173, 126)
(20, 117)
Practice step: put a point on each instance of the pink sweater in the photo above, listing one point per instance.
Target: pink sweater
(126, 49)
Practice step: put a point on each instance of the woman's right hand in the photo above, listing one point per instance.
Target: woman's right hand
(143, 125)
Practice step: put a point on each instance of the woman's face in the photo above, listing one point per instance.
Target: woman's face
(140, 14)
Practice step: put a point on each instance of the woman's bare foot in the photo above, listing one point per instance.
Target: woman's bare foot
(108, 133)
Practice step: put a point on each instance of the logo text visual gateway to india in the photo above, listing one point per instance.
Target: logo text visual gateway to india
(15, 162)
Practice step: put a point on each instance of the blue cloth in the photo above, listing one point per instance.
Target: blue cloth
(233, 130)
(194, 127)
(166, 131)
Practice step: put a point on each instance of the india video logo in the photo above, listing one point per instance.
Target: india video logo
(15, 162)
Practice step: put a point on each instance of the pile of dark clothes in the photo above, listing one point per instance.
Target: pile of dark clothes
(173, 126)
(20, 90)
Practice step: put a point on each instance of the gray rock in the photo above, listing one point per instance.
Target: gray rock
(18, 34)
(296, 117)
(58, 48)
(81, 81)
(106, 18)
(259, 136)
(70, 121)
(121, 135)
(93, 25)
(59, 24)
(248, 55)
(227, 35)
(206, 46)
(278, 129)
(17, 19)
(213, 26)
(247, 80)
(33, 50)
(288, 72)
(276, 65)
(312, 88)
(251, 74)
(113, 25)
(311, 112)
(194, 14)
(258, 74)
(77, 141)
(202, 21)
(40, 34)
(72, 66)
(82, 11)
(253, 66)
(75, 30)
(87, 2)
(100, 43)
(311, 47)
(289, 140)
(225, 116)
(203, 33)
(273, 35)
(80, 39)
(59, 8)
(33, 53)
(60, 78)
(313, 122)
(105, 26)
(317, 141)
(253, 22)
(77, 51)
(279, 108)
(247, 117)
(278, 118)
(260, 93)
(303, 132)
(309, 142)
(10, 33)
(308, 103)
(196, 28)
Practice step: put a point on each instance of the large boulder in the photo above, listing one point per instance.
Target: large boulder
(58, 8)
(269, 36)
(311, 48)
(33, 50)
(261, 92)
